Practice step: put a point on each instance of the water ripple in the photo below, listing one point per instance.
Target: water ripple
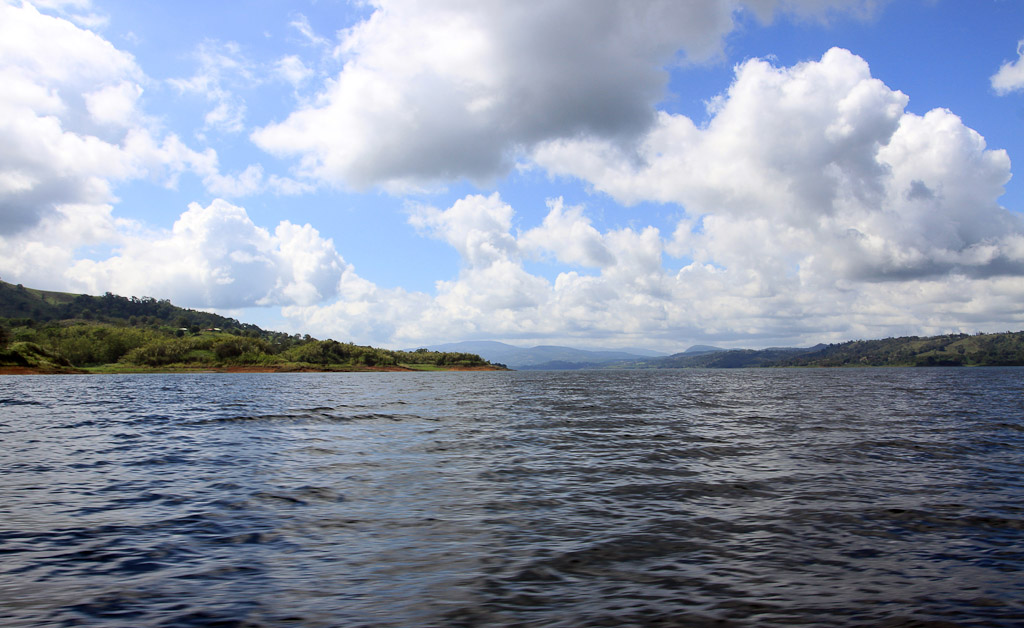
(690, 498)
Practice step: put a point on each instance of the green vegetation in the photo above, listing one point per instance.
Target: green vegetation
(1002, 349)
(58, 332)
(57, 346)
(31, 356)
(21, 304)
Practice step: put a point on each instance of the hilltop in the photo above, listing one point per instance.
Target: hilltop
(43, 331)
(19, 303)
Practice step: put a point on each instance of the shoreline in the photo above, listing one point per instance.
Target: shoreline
(102, 370)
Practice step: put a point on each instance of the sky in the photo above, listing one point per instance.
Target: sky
(655, 174)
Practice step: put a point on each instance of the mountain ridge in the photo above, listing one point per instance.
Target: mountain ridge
(980, 349)
(526, 358)
(23, 307)
(994, 349)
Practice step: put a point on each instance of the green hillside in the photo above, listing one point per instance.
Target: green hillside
(1000, 349)
(59, 332)
(20, 303)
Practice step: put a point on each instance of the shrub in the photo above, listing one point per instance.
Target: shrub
(85, 345)
(159, 353)
(242, 350)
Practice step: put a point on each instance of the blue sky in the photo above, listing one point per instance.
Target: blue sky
(656, 174)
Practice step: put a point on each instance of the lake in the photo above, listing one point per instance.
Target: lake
(831, 497)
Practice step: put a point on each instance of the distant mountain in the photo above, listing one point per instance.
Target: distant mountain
(546, 357)
(21, 306)
(721, 358)
(1002, 349)
(700, 349)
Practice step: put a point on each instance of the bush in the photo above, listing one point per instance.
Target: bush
(159, 353)
(31, 354)
(230, 348)
(243, 350)
(325, 352)
(86, 345)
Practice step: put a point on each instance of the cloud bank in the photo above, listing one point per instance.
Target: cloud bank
(70, 124)
(841, 181)
(810, 206)
(435, 92)
(813, 200)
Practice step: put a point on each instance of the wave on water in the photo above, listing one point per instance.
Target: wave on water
(855, 497)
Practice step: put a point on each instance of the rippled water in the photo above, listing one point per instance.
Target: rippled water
(874, 497)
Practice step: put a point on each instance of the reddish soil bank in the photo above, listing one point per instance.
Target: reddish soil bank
(301, 369)
(25, 370)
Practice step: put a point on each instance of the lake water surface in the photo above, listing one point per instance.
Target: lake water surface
(843, 497)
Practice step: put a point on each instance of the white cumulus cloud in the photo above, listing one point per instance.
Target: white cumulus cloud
(739, 286)
(70, 124)
(476, 226)
(1010, 76)
(215, 256)
(813, 205)
(816, 208)
(438, 91)
(568, 235)
(839, 180)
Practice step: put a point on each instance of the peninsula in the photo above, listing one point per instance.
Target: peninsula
(57, 332)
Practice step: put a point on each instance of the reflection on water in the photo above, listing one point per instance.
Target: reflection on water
(666, 498)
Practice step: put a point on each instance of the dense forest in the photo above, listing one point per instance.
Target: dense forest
(59, 332)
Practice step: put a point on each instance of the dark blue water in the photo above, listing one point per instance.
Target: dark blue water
(874, 497)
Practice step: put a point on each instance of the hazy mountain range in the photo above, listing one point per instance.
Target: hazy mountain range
(551, 357)
(998, 349)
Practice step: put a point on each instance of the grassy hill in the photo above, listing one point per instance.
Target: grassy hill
(59, 332)
(18, 303)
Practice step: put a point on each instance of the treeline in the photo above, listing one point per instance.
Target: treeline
(726, 359)
(999, 349)
(97, 344)
(21, 305)
(57, 330)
